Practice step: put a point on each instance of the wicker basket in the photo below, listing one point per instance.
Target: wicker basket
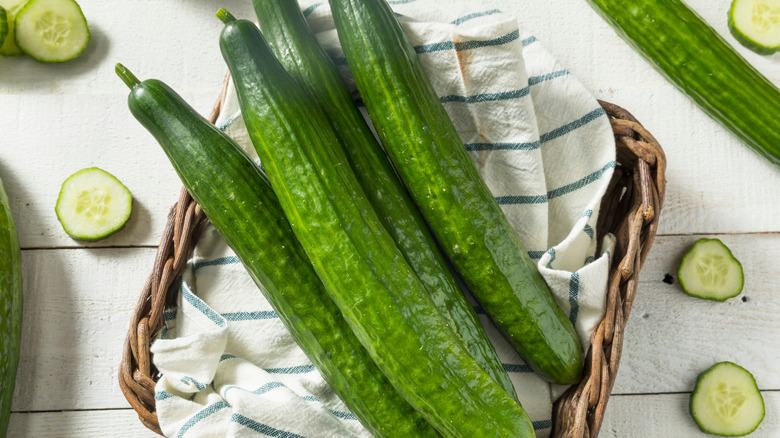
(629, 210)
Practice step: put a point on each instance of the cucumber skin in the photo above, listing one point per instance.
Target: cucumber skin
(296, 47)
(701, 64)
(365, 274)
(3, 25)
(744, 39)
(429, 156)
(11, 306)
(238, 200)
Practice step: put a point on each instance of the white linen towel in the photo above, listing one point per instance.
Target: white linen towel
(541, 142)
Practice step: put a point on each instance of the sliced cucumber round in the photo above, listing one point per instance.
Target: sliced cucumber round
(756, 24)
(93, 204)
(52, 30)
(709, 270)
(726, 401)
(9, 47)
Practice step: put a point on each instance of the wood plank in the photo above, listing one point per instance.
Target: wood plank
(120, 423)
(76, 313)
(671, 336)
(666, 415)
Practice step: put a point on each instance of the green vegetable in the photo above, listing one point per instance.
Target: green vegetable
(10, 308)
(443, 181)
(726, 401)
(756, 24)
(52, 30)
(3, 25)
(682, 47)
(93, 204)
(9, 47)
(709, 270)
(286, 31)
(238, 200)
(357, 260)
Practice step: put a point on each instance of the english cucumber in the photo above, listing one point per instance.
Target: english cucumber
(93, 204)
(698, 61)
(238, 200)
(11, 301)
(756, 24)
(456, 203)
(296, 47)
(709, 270)
(726, 401)
(357, 260)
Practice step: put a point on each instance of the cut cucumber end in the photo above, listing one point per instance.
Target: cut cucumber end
(52, 30)
(93, 204)
(726, 401)
(756, 24)
(709, 270)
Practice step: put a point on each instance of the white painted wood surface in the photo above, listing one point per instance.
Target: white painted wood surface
(60, 118)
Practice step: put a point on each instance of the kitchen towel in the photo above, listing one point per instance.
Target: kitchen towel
(541, 142)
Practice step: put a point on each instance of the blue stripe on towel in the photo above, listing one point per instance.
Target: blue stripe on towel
(250, 316)
(310, 9)
(560, 191)
(517, 368)
(542, 424)
(300, 369)
(201, 306)
(262, 428)
(203, 413)
(574, 296)
(486, 97)
(229, 260)
(569, 127)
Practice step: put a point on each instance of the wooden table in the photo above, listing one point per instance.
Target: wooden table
(57, 119)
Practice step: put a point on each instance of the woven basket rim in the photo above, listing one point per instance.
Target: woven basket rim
(633, 202)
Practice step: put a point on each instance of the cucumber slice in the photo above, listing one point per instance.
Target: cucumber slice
(52, 30)
(756, 24)
(93, 204)
(3, 25)
(9, 47)
(726, 401)
(709, 270)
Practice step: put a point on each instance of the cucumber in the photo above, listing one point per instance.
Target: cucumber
(756, 24)
(9, 47)
(3, 25)
(698, 61)
(52, 30)
(362, 269)
(93, 204)
(709, 270)
(726, 401)
(296, 47)
(238, 200)
(456, 203)
(11, 300)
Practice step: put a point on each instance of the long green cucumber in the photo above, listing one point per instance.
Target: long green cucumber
(238, 200)
(465, 218)
(296, 47)
(701, 64)
(11, 301)
(355, 257)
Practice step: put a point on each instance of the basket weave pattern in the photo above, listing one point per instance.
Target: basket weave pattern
(630, 210)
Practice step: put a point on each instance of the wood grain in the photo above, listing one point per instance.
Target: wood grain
(122, 423)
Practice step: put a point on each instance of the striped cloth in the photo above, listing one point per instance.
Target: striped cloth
(541, 142)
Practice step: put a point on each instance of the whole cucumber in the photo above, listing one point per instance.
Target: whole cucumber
(363, 271)
(238, 200)
(429, 156)
(286, 31)
(11, 300)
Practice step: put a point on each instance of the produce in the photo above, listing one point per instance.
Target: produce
(709, 270)
(293, 43)
(10, 308)
(93, 204)
(726, 401)
(363, 271)
(688, 52)
(3, 25)
(51, 30)
(238, 200)
(456, 203)
(9, 47)
(756, 24)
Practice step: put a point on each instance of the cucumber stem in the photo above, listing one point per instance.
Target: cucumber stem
(126, 75)
(225, 16)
